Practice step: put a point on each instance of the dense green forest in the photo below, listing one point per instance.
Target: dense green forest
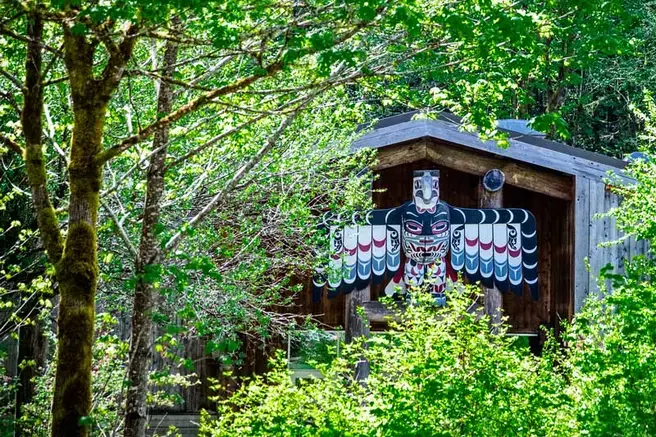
(164, 165)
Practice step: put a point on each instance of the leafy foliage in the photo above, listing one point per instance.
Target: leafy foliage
(110, 357)
(442, 372)
(436, 373)
(266, 99)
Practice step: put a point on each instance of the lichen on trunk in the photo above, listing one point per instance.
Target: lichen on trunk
(35, 163)
(77, 274)
(77, 270)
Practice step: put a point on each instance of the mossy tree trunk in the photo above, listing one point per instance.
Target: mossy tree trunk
(31, 347)
(145, 299)
(75, 260)
(75, 256)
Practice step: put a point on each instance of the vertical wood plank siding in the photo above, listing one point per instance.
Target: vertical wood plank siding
(581, 241)
(592, 232)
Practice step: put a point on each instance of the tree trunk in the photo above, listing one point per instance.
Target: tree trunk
(31, 123)
(149, 254)
(491, 196)
(31, 354)
(77, 275)
(357, 325)
(77, 270)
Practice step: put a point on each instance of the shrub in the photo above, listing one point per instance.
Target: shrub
(437, 372)
(441, 372)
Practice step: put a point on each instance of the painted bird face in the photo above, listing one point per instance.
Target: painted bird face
(425, 234)
(426, 189)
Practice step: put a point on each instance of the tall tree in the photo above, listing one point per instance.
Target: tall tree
(144, 297)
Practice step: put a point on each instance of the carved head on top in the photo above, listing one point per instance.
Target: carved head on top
(426, 189)
(425, 221)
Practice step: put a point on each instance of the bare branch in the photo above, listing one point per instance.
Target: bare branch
(170, 80)
(121, 230)
(13, 79)
(210, 55)
(51, 134)
(145, 158)
(51, 63)
(229, 132)
(177, 39)
(12, 145)
(243, 170)
(10, 33)
(55, 81)
(11, 100)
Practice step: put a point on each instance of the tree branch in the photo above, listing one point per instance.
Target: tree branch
(121, 230)
(119, 55)
(13, 79)
(12, 145)
(10, 33)
(174, 116)
(207, 97)
(181, 83)
(31, 122)
(243, 170)
(55, 81)
(11, 100)
(232, 131)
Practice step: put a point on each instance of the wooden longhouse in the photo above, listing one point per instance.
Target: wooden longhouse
(564, 187)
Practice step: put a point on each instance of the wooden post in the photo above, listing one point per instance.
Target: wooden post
(357, 325)
(491, 196)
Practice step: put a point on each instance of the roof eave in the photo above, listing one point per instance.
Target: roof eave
(414, 130)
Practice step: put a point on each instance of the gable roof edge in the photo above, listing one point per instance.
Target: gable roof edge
(521, 151)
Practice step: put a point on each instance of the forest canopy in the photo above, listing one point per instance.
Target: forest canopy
(164, 165)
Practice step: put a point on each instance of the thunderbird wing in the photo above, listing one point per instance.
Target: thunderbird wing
(362, 249)
(496, 247)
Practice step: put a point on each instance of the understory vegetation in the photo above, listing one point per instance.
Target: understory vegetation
(163, 168)
(443, 373)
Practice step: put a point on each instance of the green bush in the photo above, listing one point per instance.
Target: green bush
(611, 358)
(440, 372)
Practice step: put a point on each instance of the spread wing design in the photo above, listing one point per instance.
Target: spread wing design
(495, 246)
(363, 248)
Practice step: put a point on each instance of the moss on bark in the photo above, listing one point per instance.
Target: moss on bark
(77, 274)
(31, 121)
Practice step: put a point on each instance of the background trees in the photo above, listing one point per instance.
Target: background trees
(175, 152)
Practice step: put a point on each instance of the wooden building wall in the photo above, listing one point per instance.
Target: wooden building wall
(594, 198)
(554, 219)
(569, 234)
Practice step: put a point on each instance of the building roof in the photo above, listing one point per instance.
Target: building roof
(531, 149)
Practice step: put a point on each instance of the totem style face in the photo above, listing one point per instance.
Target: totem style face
(426, 190)
(425, 221)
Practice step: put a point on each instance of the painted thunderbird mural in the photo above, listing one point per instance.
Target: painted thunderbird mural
(497, 247)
